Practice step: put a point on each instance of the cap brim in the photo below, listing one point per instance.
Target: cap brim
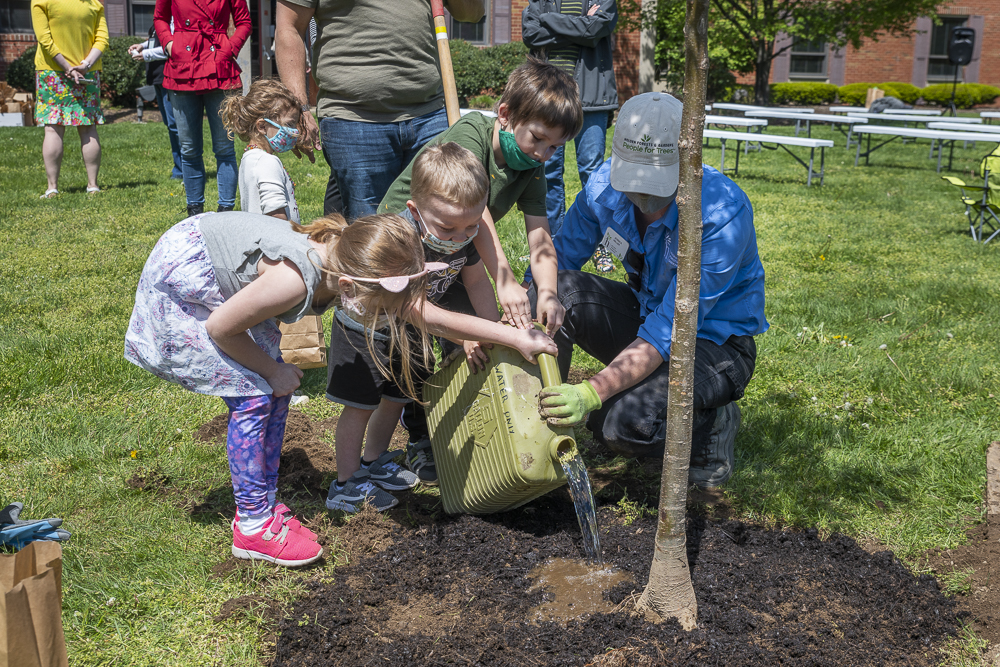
(647, 179)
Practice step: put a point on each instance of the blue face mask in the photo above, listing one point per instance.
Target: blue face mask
(284, 140)
(441, 245)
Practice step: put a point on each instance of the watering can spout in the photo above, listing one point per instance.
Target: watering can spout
(562, 447)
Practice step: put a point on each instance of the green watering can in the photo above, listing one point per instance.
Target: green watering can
(492, 449)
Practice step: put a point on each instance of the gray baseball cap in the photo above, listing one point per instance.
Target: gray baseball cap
(644, 154)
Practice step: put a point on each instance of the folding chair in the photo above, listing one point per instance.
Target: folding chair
(982, 202)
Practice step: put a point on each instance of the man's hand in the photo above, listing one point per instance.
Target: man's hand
(568, 404)
(308, 138)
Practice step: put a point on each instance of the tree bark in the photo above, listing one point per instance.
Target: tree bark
(669, 593)
(762, 73)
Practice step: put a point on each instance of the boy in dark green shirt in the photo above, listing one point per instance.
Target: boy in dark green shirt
(538, 112)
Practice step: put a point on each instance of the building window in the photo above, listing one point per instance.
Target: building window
(808, 60)
(476, 33)
(141, 19)
(15, 16)
(938, 67)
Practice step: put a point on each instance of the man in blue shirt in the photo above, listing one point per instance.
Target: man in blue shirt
(629, 203)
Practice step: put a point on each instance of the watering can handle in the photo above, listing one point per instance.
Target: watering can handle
(549, 366)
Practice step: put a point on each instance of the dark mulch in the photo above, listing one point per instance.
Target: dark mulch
(417, 587)
(455, 591)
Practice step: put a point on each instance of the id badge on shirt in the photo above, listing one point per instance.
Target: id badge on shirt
(615, 243)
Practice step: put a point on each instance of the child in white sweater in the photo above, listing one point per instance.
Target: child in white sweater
(267, 119)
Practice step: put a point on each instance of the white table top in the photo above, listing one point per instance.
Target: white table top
(732, 106)
(947, 135)
(910, 112)
(848, 109)
(485, 112)
(989, 114)
(962, 127)
(768, 138)
(735, 120)
(795, 115)
(906, 118)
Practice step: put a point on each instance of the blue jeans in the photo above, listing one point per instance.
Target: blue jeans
(365, 158)
(167, 112)
(189, 108)
(590, 144)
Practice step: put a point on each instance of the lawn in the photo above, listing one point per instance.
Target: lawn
(874, 399)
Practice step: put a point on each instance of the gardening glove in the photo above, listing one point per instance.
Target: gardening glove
(568, 404)
(17, 533)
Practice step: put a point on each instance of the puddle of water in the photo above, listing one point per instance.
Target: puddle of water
(583, 500)
(577, 588)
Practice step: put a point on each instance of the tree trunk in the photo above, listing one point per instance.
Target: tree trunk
(762, 79)
(669, 593)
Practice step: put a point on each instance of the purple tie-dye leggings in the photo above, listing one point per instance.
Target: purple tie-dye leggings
(256, 431)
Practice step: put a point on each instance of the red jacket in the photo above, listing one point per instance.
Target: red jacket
(202, 56)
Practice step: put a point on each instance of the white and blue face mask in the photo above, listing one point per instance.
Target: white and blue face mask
(284, 140)
(445, 247)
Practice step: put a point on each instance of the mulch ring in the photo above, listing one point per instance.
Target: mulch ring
(414, 586)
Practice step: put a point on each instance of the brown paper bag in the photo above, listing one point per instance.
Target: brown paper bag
(873, 94)
(303, 343)
(31, 633)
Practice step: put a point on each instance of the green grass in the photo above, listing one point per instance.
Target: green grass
(879, 255)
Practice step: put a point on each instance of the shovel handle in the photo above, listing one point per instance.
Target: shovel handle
(444, 56)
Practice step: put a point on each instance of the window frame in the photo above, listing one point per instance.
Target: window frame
(486, 40)
(131, 16)
(8, 24)
(822, 54)
(948, 23)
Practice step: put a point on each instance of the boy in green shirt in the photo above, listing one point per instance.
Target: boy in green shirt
(538, 112)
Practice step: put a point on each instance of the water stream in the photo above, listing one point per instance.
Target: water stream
(583, 500)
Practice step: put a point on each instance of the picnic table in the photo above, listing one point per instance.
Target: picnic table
(912, 112)
(810, 118)
(895, 132)
(779, 141)
(989, 115)
(906, 117)
(733, 106)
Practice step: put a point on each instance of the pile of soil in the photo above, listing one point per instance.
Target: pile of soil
(415, 586)
(455, 590)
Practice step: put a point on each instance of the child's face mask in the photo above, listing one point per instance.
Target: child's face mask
(284, 140)
(515, 158)
(443, 246)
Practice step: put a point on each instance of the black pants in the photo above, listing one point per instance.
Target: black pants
(455, 299)
(602, 317)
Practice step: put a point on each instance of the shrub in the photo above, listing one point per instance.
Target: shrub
(481, 102)
(21, 72)
(984, 94)
(855, 94)
(804, 93)
(121, 75)
(481, 71)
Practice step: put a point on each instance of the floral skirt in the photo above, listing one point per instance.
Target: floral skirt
(166, 333)
(62, 102)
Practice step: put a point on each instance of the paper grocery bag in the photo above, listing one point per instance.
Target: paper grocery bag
(303, 343)
(31, 633)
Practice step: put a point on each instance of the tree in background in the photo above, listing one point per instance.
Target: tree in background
(742, 32)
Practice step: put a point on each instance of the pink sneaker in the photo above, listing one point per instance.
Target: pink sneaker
(282, 548)
(294, 525)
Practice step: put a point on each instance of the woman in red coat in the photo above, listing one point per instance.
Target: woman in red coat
(201, 70)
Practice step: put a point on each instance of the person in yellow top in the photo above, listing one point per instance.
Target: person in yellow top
(72, 35)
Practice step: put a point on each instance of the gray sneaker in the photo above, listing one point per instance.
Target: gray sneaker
(420, 459)
(712, 462)
(390, 475)
(357, 492)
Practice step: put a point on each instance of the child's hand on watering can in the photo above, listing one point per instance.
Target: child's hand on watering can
(568, 404)
(475, 354)
(532, 342)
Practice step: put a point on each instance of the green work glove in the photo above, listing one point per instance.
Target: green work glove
(568, 404)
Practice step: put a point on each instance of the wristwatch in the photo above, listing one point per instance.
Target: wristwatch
(306, 108)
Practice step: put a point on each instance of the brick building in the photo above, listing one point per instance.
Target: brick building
(920, 58)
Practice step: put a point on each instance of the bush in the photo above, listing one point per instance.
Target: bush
(121, 75)
(905, 92)
(21, 72)
(966, 94)
(481, 102)
(806, 93)
(854, 94)
(480, 71)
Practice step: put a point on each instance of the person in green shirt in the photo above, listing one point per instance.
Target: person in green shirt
(538, 112)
